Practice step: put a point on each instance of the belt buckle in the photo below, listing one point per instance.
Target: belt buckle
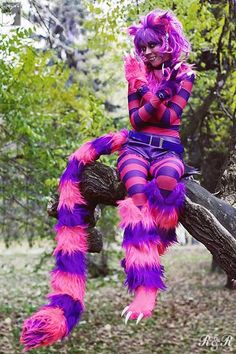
(161, 143)
(160, 146)
(150, 140)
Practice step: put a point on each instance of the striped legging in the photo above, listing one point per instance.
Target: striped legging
(135, 170)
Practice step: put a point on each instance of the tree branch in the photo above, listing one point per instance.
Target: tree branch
(209, 219)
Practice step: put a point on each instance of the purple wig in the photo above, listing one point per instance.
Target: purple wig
(163, 28)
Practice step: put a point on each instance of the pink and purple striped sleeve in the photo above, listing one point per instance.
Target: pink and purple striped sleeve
(145, 107)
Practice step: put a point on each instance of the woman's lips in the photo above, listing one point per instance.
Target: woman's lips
(152, 58)
(155, 59)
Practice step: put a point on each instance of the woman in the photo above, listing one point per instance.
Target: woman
(158, 90)
(150, 164)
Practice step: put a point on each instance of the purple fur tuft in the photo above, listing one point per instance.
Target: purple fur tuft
(153, 193)
(150, 277)
(74, 263)
(73, 171)
(78, 216)
(72, 309)
(175, 198)
(103, 145)
(138, 234)
(167, 237)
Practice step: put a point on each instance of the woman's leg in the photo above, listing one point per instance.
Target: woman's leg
(141, 263)
(133, 171)
(166, 196)
(167, 173)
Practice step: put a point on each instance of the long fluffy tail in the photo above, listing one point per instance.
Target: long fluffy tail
(56, 320)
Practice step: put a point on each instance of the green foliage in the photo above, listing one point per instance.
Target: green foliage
(43, 120)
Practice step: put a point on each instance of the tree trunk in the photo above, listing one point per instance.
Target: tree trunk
(227, 190)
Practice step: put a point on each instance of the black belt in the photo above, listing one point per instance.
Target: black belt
(157, 142)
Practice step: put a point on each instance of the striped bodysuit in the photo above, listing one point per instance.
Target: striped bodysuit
(138, 161)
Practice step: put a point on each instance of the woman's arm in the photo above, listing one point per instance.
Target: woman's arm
(154, 109)
(140, 114)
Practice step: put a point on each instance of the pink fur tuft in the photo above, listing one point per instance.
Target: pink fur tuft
(147, 217)
(129, 213)
(70, 195)
(166, 219)
(45, 327)
(144, 255)
(86, 153)
(135, 72)
(71, 239)
(118, 139)
(70, 284)
(161, 248)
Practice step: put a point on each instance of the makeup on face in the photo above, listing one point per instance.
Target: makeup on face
(151, 54)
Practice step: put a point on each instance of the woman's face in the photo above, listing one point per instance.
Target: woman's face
(151, 55)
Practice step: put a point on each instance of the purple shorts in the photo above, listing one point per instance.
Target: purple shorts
(148, 152)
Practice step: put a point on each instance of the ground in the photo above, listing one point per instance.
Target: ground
(196, 314)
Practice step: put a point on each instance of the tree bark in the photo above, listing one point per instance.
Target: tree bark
(205, 227)
(208, 219)
(227, 189)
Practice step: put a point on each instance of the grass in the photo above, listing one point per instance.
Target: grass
(195, 305)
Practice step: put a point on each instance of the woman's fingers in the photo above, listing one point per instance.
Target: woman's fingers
(175, 71)
(128, 59)
(177, 66)
(132, 64)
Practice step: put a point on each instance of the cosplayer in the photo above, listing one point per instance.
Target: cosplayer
(150, 164)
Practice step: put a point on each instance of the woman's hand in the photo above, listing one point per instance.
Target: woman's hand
(135, 72)
(171, 86)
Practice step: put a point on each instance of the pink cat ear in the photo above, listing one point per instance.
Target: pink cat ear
(132, 30)
(164, 20)
(164, 16)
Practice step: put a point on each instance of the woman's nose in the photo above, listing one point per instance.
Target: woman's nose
(148, 50)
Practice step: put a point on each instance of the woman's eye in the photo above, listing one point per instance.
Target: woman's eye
(143, 49)
(152, 45)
